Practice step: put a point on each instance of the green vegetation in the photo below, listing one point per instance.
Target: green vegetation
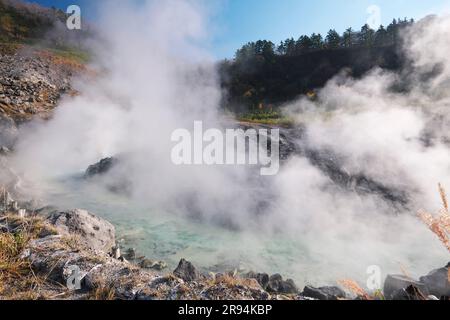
(270, 118)
(20, 21)
(30, 24)
(265, 74)
(367, 37)
(73, 54)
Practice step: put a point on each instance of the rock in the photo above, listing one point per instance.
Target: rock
(5, 100)
(437, 282)
(95, 233)
(4, 151)
(324, 293)
(186, 271)
(130, 254)
(101, 167)
(394, 283)
(262, 278)
(8, 132)
(155, 265)
(46, 211)
(409, 293)
(146, 264)
(115, 252)
(278, 285)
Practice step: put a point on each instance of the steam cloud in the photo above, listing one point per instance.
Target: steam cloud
(155, 78)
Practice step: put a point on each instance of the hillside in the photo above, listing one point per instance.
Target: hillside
(22, 22)
(263, 76)
(264, 83)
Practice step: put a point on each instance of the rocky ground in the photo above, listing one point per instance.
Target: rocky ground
(49, 254)
(31, 83)
(73, 255)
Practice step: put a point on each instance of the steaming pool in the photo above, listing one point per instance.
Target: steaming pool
(168, 237)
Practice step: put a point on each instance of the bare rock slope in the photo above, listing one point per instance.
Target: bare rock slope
(32, 81)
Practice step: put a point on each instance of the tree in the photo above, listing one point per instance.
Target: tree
(290, 47)
(317, 41)
(304, 44)
(348, 38)
(392, 30)
(333, 39)
(268, 50)
(246, 52)
(281, 49)
(366, 36)
(381, 37)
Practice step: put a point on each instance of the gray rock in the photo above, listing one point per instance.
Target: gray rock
(324, 293)
(95, 233)
(100, 168)
(155, 265)
(262, 278)
(409, 293)
(186, 271)
(4, 151)
(437, 282)
(278, 285)
(394, 283)
(130, 254)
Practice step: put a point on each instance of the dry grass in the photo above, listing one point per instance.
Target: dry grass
(231, 281)
(439, 224)
(353, 287)
(17, 279)
(104, 292)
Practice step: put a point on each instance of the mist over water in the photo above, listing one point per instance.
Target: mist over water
(153, 78)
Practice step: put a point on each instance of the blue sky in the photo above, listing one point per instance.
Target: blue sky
(239, 21)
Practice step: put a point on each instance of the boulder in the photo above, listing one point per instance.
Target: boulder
(100, 168)
(262, 278)
(155, 265)
(409, 293)
(95, 233)
(324, 293)
(394, 283)
(437, 282)
(130, 254)
(186, 271)
(278, 285)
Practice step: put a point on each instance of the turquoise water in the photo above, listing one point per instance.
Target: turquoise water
(170, 237)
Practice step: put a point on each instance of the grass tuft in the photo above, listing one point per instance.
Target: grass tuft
(439, 224)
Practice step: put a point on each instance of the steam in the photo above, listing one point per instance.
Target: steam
(154, 77)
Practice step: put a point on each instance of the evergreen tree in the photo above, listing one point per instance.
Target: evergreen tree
(348, 38)
(366, 36)
(381, 37)
(333, 39)
(304, 44)
(317, 41)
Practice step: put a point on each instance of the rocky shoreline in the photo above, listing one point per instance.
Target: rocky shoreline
(73, 255)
